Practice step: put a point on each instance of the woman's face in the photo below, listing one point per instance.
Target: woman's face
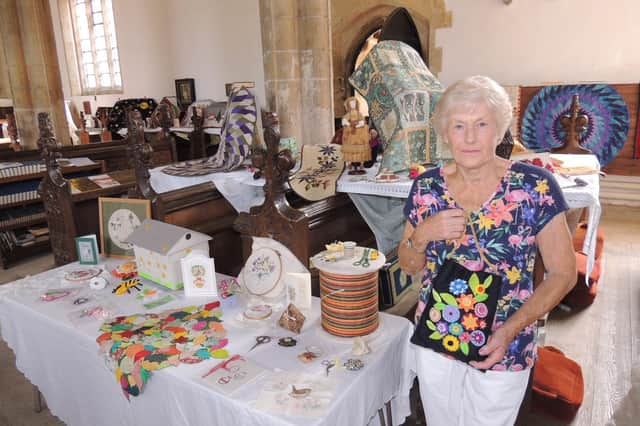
(472, 135)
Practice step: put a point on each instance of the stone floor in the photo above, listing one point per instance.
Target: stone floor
(604, 339)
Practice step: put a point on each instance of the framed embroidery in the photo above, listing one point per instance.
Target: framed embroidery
(118, 218)
(198, 276)
(87, 249)
(262, 272)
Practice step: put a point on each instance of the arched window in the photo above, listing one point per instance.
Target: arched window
(91, 46)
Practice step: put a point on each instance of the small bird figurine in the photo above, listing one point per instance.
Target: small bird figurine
(299, 393)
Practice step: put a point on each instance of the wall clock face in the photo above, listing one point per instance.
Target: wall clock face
(121, 224)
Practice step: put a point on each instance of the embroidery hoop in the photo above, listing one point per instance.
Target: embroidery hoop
(262, 286)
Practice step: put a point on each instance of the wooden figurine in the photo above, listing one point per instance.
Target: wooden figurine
(573, 124)
(355, 137)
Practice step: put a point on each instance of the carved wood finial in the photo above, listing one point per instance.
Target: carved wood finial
(165, 118)
(49, 146)
(196, 137)
(140, 156)
(573, 124)
(12, 131)
(275, 218)
(55, 194)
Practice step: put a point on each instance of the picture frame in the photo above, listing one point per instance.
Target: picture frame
(198, 276)
(118, 218)
(228, 87)
(87, 249)
(185, 92)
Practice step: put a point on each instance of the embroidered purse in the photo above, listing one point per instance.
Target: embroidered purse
(459, 313)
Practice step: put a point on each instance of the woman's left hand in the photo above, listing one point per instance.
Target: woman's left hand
(494, 350)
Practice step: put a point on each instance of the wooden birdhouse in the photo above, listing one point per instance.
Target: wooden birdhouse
(158, 248)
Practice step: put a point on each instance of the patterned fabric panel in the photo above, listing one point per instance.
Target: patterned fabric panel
(402, 94)
(118, 114)
(321, 168)
(608, 114)
(238, 130)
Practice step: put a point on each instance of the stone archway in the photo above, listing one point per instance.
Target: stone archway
(352, 23)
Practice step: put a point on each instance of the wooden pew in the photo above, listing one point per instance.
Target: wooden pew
(202, 208)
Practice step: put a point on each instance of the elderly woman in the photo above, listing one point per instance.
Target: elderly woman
(488, 215)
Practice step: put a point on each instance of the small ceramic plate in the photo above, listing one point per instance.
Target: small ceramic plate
(262, 271)
(82, 274)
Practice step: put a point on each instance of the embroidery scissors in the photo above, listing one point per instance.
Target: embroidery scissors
(259, 341)
(328, 365)
(364, 260)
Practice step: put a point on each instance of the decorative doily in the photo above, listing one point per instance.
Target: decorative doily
(608, 119)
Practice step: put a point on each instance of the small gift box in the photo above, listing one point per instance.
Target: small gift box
(292, 319)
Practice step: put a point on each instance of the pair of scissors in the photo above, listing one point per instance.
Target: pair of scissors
(260, 340)
(364, 260)
(328, 365)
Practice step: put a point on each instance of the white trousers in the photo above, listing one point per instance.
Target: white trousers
(455, 394)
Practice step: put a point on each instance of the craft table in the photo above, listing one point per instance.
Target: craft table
(381, 204)
(62, 360)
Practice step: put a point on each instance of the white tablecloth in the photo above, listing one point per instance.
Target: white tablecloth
(577, 197)
(62, 360)
(238, 187)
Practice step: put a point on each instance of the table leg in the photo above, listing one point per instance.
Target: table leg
(389, 418)
(381, 416)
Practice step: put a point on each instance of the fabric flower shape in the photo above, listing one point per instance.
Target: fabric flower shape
(478, 338)
(482, 324)
(465, 337)
(451, 343)
(480, 289)
(481, 310)
(442, 327)
(458, 286)
(466, 302)
(451, 313)
(455, 329)
(470, 322)
(435, 315)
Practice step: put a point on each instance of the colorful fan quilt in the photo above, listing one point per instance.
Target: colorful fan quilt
(401, 93)
(608, 114)
(135, 345)
(118, 114)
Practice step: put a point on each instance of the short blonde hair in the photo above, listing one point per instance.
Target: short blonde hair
(470, 92)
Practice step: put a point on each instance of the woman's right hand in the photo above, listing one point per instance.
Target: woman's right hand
(445, 225)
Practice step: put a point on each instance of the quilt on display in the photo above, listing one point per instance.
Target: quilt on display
(608, 114)
(321, 168)
(118, 114)
(401, 93)
(236, 139)
(135, 345)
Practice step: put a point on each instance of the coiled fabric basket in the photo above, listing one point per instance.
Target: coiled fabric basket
(349, 303)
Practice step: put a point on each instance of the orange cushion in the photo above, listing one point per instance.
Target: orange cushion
(580, 295)
(578, 239)
(558, 388)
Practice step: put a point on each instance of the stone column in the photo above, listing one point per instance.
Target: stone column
(297, 67)
(316, 71)
(32, 64)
